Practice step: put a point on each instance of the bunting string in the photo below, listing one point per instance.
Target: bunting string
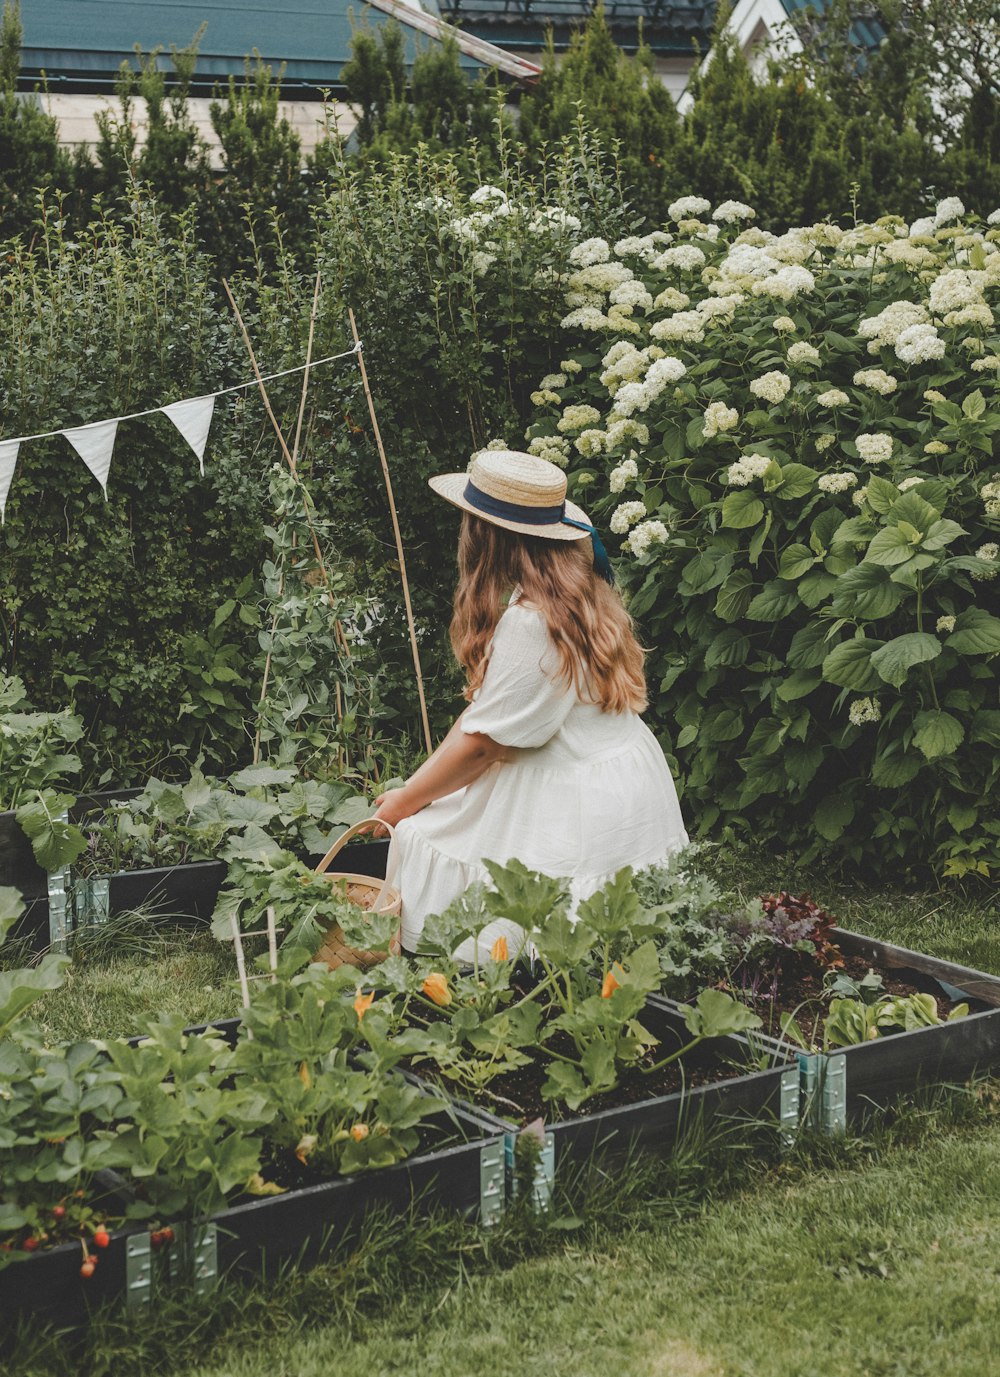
(95, 441)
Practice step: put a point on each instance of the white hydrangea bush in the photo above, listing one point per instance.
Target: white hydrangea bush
(794, 440)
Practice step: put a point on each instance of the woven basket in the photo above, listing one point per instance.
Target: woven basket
(375, 896)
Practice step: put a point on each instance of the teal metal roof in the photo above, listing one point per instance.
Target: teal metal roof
(670, 27)
(80, 44)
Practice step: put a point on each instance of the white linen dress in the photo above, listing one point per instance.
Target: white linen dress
(586, 792)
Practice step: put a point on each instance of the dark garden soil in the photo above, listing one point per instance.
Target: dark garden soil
(517, 1094)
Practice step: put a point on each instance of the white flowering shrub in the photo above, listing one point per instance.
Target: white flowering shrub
(797, 447)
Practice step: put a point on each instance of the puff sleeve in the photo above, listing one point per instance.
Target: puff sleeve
(521, 703)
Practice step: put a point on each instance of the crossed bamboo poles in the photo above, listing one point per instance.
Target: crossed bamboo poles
(291, 458)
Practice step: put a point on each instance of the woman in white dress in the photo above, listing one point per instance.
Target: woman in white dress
(550, 764)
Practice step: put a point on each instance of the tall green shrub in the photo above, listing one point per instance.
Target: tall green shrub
(798, 439)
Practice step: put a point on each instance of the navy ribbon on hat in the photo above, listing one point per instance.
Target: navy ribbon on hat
(539, 516)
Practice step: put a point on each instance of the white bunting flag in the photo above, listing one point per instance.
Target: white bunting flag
(8, 458)
(94, 444)
(193, 418)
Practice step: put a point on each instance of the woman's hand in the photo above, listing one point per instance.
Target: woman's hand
(392, 807)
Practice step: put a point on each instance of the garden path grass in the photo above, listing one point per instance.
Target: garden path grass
(887, 1269)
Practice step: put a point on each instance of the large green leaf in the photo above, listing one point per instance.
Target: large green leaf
(849, 665)
(55, 843)
(834, 814)
(941, 534)
(734, 596)
(796, 481)
(976, 633)
(21, 988)
(889, 547)
(809, 647)
(897, 657)
(741, 509)
(914, 511)
(730, 648)
(795, 561)
(866, 592)
(937, 734)
(985, 729)
(881, 494)
(775, 600)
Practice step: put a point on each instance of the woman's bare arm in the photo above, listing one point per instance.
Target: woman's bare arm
(459, 760)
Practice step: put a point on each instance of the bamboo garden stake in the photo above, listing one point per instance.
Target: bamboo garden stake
(399, 539)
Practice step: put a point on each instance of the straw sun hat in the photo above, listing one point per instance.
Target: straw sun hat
(520, 492)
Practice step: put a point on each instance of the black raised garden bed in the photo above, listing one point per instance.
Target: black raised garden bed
(763, 1099)
(845, 1083)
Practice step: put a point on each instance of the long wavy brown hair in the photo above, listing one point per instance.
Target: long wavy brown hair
(592, 632)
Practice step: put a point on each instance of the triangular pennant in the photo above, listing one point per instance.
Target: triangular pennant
(94, 444)
(8, 459)
(193, 418)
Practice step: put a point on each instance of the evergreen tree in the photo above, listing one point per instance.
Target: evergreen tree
(771, 142)
(262, 194)
(620, 98)
(31, 160)
(439, 108)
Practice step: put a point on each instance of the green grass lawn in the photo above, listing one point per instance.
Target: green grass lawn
(876, 1259)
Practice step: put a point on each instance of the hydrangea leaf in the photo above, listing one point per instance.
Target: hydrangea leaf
(938, 733)
(898, 656)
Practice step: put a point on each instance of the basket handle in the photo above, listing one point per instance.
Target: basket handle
(364, 826)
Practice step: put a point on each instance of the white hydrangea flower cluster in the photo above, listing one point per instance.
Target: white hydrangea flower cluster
(636, 396)
(883, 330)
(990, 493)
(746, 469)
(646, 246)
(859, 496)
(877, 379)
(864, 710)
(990, 552)
(686, 257)
(832, 397)
(545, 396)
(936, 447)
(977, 313)
(720, 308)
(874, 448)
(486, 194)
(589, 252)
(686, 326)
(626, 472)
(955, 288)
(626, 515)
(801, 353)
(553, 380)
(626, 428)
(913, 481)
(919, 344)
(731, 212)
(553, 219)
(622, 363)
(771, 387)
(994, 217)
(570, 366)
(554, 448)
(591, 443)
(589, 286)
(951, 208)
(836, 482)
(670, 299)
(632, 294)
(916, 257)
(823, 442)
(686, 206)
(647, 533)
(944, 625)
(786, 284)
(718, 419)
(784, 325)
(585, 318)
(578, 417)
